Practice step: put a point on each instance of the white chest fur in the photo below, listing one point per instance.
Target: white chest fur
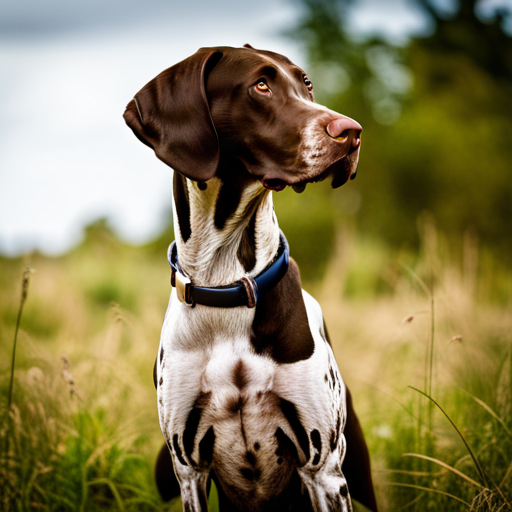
(207, 355)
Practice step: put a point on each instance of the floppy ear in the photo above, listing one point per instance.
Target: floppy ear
(171, 115)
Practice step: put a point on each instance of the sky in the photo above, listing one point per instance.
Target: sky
(67, 71)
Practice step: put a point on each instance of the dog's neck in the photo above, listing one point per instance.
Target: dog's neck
(223, 230)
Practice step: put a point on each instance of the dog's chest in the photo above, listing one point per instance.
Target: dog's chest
(251, 419)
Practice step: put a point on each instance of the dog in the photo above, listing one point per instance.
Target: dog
(249, 393)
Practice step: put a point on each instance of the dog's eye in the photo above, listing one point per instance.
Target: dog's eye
(262, 86)
(307, 83)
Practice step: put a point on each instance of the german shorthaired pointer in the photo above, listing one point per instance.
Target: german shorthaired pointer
(249, 393)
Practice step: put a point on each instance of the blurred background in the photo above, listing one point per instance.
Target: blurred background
(411, 261)
(430, 81)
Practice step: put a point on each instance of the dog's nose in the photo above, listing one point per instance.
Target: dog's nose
(345, 131)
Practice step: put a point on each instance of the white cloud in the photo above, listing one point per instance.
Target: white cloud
(396, 20)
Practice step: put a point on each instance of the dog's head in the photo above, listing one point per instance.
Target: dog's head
(251, 106)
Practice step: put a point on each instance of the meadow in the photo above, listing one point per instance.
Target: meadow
(422, 336)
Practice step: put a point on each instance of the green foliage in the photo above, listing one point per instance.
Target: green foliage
(63, 454)
(436, 113)
(307, 216)
(79, 438)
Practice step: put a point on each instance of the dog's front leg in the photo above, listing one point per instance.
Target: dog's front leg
(327, 495)
(327, 487)
(194, 495)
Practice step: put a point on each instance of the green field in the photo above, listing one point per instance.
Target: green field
(83, 433)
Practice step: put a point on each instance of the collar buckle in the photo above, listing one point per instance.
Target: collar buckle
(183, 284)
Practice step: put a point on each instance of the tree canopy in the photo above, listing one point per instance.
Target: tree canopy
(436, 114)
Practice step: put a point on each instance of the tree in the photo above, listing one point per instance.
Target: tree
(437, 117)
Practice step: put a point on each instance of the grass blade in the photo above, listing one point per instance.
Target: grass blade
(24, 291)
(112, 486)
(470, 451)
(490, 411)
(507, 474)
(411, 473)
(428, 489)
(418, 280)
(446, 466)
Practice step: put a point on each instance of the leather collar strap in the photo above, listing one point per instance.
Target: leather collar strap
(242, 293)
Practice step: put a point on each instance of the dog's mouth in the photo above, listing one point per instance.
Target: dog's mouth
(339, 172)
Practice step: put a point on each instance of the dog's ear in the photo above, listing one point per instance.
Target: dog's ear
(171, 115)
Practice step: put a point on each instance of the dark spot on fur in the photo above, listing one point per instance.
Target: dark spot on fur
(316, 439)
(256, 446)
(291, 414)
(194, 417)
(344, 490)
(234, 178)
(338, 426)
(250, 457)
(177, 450)
(247, 249)
(326, 378)
(317, 443)
(161, 354)
(190, 431)
(247, 473)
(161, 381)
(271, 336)
(206, 446)
(239, 375)
(285, 447)
(336, 434)
(201, 185)
(235, 404)
(181, 201)
(279, 460)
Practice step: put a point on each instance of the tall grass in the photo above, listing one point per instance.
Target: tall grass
(430, 387)
(72, 440)
(24, 290)
(79, 418)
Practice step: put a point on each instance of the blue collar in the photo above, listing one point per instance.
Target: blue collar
(242, 293)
